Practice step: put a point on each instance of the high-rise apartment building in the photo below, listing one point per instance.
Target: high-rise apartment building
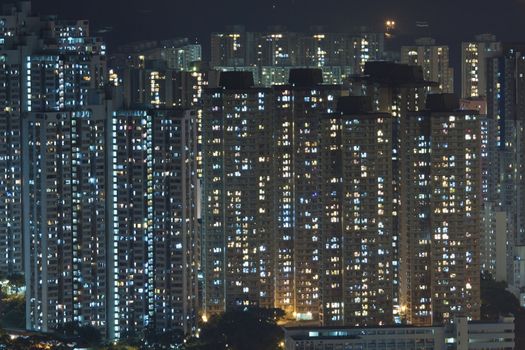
(46, 65)
(308, 202)
(153, 223)
(296, 156)
(112, 234)
(65, 215)
(261, 193)
(11, 96)
(233, 48)
(434, 59)
(440, 214)
(506, 111)
(300, 106)
(300, 216)
(356, 223)
(474, 55)
(99, 209)
(299, 109)
(238, 211)
(270, 55)
(396, 89)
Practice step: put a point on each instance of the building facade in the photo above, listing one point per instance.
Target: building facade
(238, 241)
(271, 54)
(112, 239)
(395, 89)
(474, 55)
(154, 227)
(299, 109)
(440, 213)
(47, 64)
(357, 225)
(65, 208)
(434, 59)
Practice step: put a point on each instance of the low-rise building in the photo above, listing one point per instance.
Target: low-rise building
(460, 335)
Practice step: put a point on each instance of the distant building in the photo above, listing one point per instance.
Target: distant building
(178, 54)
(233, 48)
(474, 64)
(277, 48)
(434, 59)
(267, 76)
(507, 113)
(269, 53)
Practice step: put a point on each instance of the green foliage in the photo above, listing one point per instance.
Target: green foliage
(241, 329)
(89, 335)
(85, 335)
(12, 312)
(32, 342)
(164, 340)
(17, 280)
(118, 346)
(497, 301)
(12, 284)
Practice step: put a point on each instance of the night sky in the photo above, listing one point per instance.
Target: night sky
(451, 20)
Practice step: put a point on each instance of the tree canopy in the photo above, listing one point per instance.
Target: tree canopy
(241, 329)
(497, 301)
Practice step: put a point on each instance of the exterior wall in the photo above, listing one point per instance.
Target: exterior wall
(441, 196)
(154, 227)
(299, 213)
(64, 207)
(474, 57)
(237, 48)
(40, 72)
(357, 226)
(434, 59)
(238, 247)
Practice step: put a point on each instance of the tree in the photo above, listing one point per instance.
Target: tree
(497, 301)
(85, 335)
(4, 338)
(132, 339)
(119, 346)
(163, 340)
(241, 329)
(12, 312)
(17, 281)
(89, 335)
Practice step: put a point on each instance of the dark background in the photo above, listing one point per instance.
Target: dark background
(451, 21)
